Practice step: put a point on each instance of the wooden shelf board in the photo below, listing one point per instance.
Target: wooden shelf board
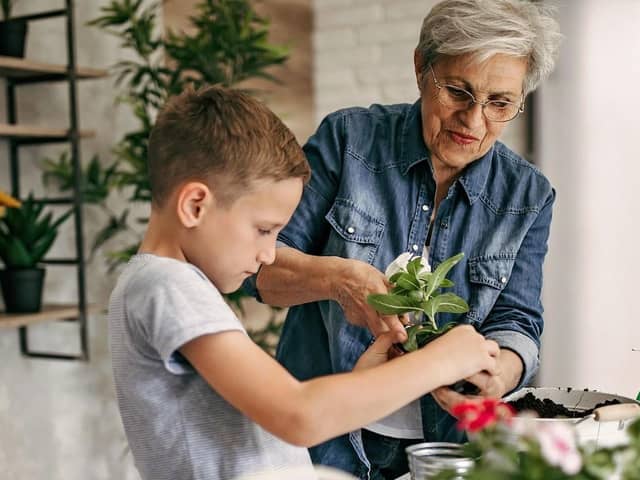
(31, 131)
(48, 313)
(20, 68)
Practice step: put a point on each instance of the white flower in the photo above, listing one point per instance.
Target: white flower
(400, 263)
(558, 446)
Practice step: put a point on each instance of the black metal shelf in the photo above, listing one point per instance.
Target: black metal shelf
(41, 15)
(19, 72)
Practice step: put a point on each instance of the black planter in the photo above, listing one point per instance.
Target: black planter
(13, 34)
(22, 289)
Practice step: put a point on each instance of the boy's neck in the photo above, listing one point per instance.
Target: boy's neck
(162, 236)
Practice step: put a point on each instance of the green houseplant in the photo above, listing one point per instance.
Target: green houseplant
(26, 235)
(226, 44)
(418, 291)
(13, 32)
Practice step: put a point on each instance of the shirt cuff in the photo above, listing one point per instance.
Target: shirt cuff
(522, 346)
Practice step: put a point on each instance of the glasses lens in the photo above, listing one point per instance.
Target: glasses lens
(454, 97)
(497, 111)
(494, 110)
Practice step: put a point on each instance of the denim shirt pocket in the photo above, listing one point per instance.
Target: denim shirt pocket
(354, 233)
(488, 276)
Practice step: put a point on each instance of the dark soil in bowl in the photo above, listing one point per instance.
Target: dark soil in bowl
(546, 408)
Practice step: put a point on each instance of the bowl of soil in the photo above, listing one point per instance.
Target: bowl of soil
(606, 426)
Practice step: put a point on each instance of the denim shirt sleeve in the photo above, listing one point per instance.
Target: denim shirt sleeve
(306, 230)
(516, 322)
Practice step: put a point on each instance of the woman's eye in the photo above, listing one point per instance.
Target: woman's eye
(499, 104)
(456, 92)
(264, 232)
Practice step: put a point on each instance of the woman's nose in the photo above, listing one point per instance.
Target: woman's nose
(473, 116)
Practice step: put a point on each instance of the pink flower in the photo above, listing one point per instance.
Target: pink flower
(558, 446)
(474, 416)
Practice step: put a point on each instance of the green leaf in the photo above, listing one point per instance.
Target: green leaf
(439, 274)
(448, 303)
(446, 283)
(408, 282)
(414, 266)
(394, 278)
(420, 335)
(389, 304)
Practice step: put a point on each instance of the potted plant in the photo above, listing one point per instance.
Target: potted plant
(13, 32)
(26, 235)
(416, 290)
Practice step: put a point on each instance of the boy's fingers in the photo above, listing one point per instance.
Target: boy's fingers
(396, 327)
(383, 343)
(493, 347)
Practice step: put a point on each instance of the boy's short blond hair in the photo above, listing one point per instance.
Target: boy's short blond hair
(224, 138)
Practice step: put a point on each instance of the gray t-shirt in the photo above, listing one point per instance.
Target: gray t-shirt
(178, 427)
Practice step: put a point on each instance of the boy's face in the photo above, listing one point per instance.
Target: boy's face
(231, 243)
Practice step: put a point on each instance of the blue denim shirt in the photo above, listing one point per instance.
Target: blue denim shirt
(370, 198)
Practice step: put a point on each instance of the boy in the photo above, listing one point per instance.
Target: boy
(198, 399)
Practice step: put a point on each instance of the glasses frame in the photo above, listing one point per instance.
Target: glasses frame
(440, 86)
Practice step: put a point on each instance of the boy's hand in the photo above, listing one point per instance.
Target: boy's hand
(356, 281)
(465, 353)
(379, 352)
(491, 384)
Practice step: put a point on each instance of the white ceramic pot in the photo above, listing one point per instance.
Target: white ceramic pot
(610, 427)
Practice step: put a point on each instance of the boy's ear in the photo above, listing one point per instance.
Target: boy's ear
(194, 200)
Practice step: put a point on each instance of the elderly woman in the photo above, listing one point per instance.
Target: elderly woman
(431, 179)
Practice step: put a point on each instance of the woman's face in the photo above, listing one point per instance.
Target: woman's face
(457, 137)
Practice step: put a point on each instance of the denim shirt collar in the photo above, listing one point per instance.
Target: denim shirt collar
(414, 151)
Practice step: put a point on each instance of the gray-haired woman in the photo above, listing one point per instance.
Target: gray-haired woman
(431, 179)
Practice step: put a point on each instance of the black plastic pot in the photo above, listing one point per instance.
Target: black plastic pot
(13, 35)
(22, 289)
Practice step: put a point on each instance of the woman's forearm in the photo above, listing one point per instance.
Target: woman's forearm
(296, 278)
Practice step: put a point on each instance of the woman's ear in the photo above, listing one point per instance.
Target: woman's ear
(194, 201)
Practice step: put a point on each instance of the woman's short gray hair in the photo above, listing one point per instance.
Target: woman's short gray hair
(484, 28)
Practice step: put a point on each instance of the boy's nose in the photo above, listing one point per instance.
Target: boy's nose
(267, 256)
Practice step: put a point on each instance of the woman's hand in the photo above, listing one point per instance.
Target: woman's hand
(356, 281)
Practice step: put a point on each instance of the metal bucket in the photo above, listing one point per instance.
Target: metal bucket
(430, 458)
(603, 433)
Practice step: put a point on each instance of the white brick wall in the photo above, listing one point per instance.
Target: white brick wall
(363, 54)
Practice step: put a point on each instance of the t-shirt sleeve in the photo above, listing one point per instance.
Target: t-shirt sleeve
(167, 308)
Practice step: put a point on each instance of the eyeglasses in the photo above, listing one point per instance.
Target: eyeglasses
(459, 99)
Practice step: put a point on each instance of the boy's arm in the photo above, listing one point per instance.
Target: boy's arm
(296, 278)
(307, 413)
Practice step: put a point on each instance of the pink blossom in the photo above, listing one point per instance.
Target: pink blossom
(558, 446)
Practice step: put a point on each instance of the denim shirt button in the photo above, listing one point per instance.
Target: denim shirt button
(351, 230)
(503, 279)
(425, 208)
(415, 248)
